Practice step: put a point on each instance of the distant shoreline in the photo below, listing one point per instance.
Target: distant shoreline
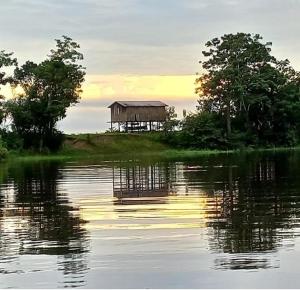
(112, 146)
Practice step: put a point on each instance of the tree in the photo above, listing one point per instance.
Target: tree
(49, 88)
(171, 120)
(251, 90)
(6, 60)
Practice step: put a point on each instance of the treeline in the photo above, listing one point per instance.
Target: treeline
(247, 98)
(42, 93)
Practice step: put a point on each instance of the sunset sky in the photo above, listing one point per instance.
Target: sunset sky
(141, 49)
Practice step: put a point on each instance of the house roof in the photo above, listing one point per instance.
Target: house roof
(139, 104)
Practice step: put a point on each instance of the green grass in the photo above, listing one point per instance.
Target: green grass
(119, 146)
(99, 146)
(110, 144)
(126, 146)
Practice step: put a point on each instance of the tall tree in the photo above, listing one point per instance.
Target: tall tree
(232, 61)
(49, 88)
(245, 84)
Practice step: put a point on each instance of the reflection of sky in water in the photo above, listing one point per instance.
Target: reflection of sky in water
(217, 222)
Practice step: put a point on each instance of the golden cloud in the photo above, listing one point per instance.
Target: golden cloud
(139, 87)
(135, 87)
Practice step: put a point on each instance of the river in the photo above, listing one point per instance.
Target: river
(222, 221)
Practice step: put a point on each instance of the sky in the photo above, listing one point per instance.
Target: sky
(141, 49)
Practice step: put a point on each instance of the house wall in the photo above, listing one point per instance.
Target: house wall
(142, 114)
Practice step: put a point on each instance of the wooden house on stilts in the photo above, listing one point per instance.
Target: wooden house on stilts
(135, 116)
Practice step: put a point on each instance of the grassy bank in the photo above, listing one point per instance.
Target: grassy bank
(111, 143)
(111, 146)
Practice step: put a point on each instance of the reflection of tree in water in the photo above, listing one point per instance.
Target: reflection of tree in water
(37, 219)
(134, 182)
(256, 206)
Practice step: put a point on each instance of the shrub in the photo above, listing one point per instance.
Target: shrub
(11, 140)
(203, 130)
(3, 153)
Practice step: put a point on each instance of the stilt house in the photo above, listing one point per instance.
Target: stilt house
(135, 116)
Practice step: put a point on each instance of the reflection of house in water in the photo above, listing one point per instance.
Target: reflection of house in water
(142, 181)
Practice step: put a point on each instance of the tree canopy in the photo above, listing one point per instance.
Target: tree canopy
(256, 95)
(48, 89)
(6, 61)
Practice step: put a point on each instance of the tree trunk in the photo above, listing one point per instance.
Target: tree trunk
(41, 143)
(248, 123)
(228, 120)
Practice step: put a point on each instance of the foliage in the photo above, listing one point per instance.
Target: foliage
(12, 140)
(255, 96)
(3, 150)
(171, 120)
(49, 88)
(6, 61)
(202, 130)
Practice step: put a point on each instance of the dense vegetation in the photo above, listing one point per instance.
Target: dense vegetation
(46, 90)
(246, 98)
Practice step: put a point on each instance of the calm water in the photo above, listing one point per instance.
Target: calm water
(220, 222)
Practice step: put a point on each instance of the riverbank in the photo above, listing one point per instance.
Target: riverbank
(112, 146)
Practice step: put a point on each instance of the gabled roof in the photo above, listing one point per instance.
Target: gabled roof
(139, 104)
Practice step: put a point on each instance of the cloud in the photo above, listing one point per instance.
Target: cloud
(146, 37)
(139, 87)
